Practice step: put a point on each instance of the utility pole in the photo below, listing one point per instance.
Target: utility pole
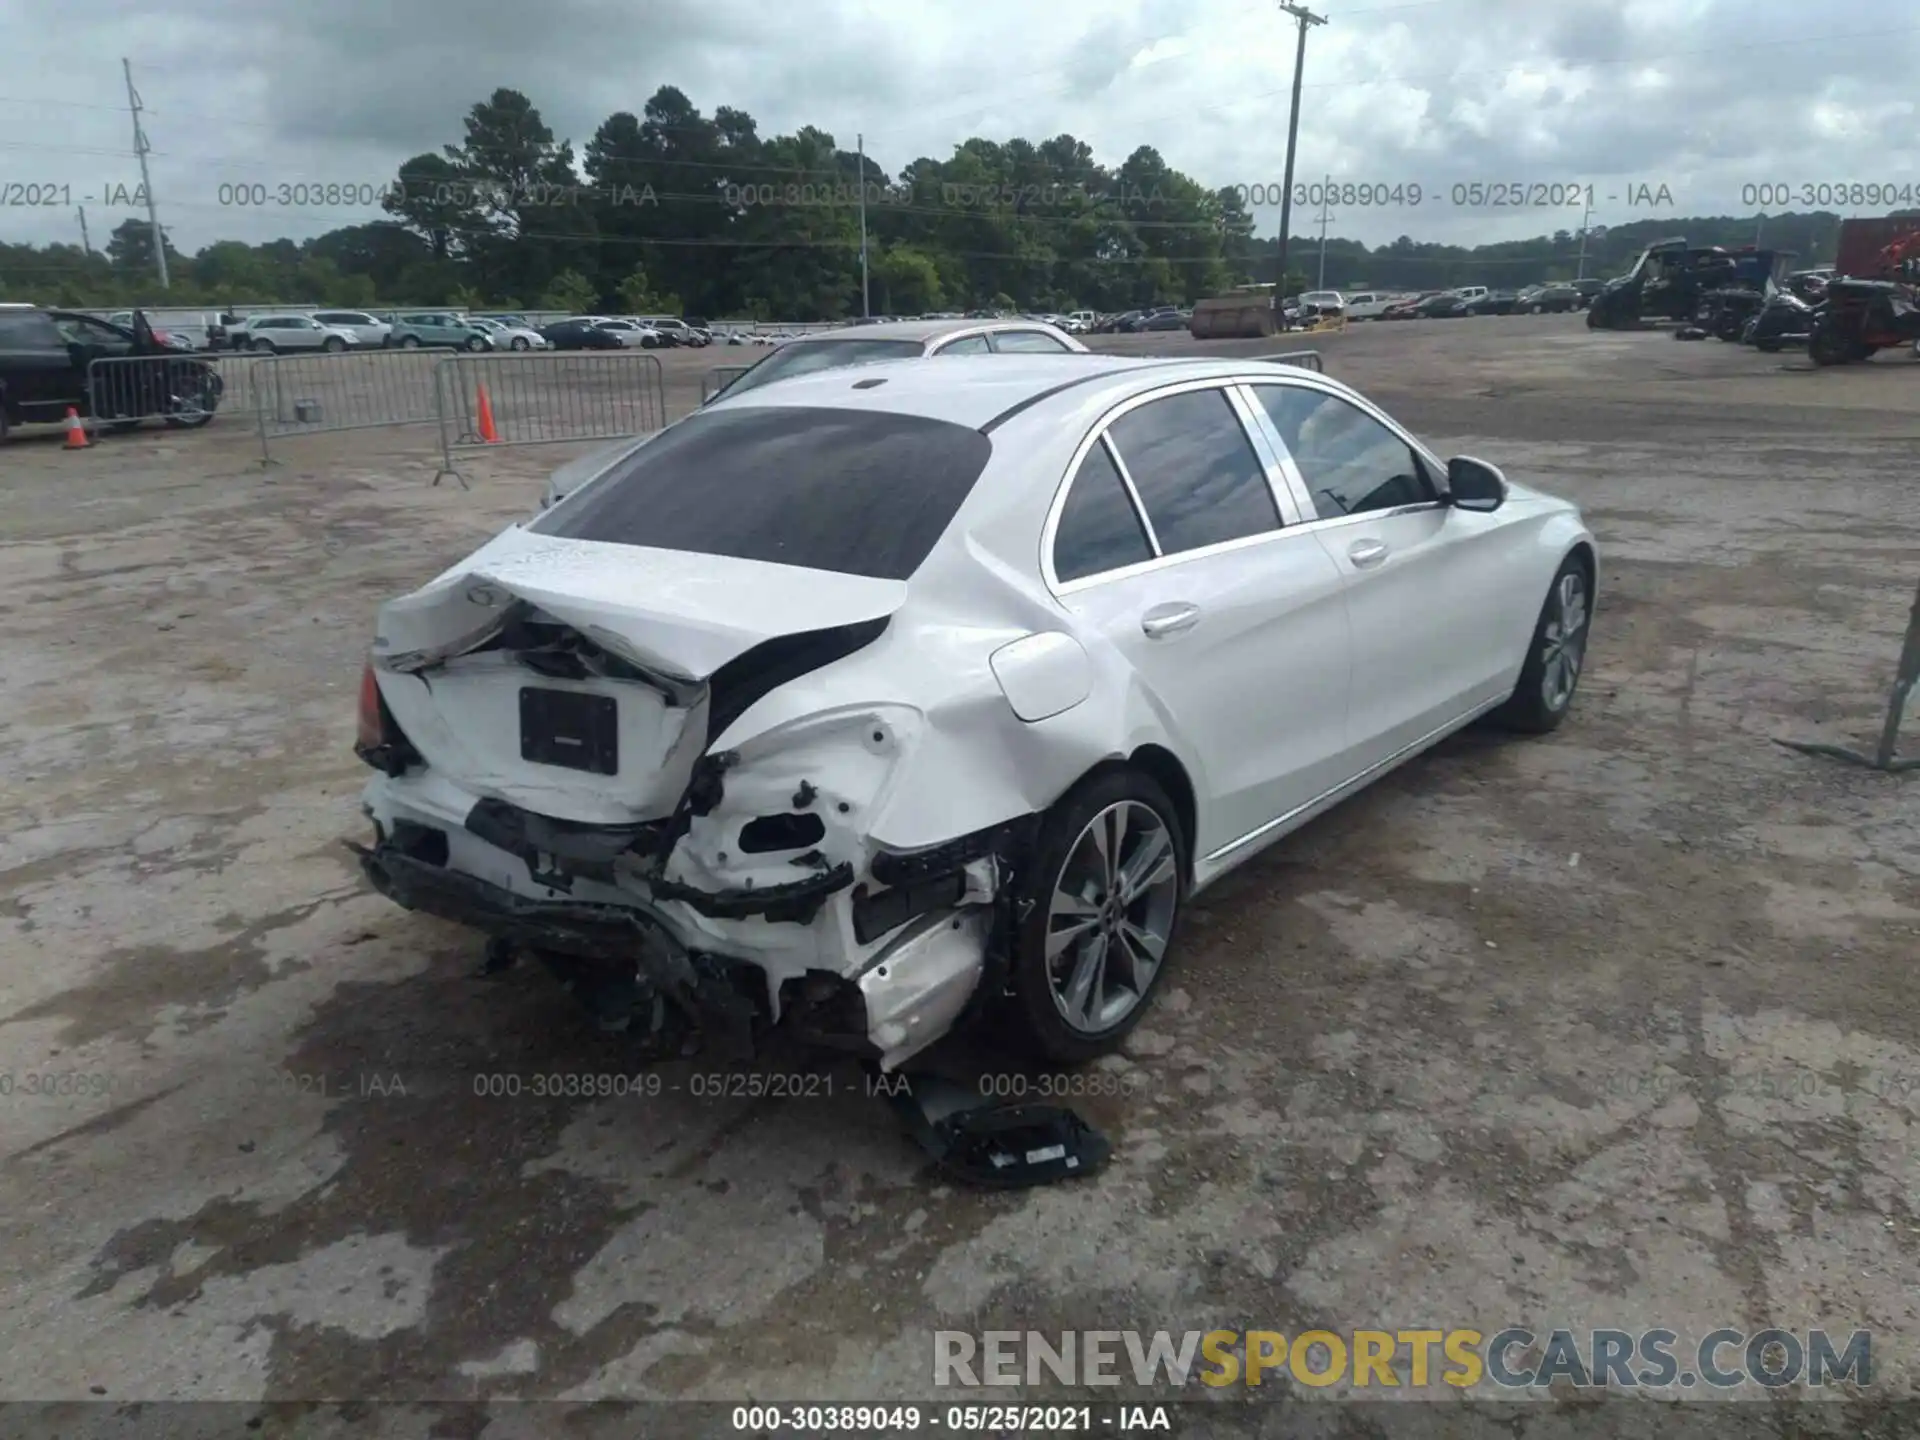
(1758, 226)
(86, 245)
(1321, 283)
(140, 148)
(1305, 17)
(866, 312)
(1586, 214)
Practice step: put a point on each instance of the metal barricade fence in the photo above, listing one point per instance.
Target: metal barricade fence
(718, 378)
(349, 390)
(1303, 359)
(544, 399)
(184, 390)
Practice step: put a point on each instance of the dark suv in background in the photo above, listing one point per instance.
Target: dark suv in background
(45, 360)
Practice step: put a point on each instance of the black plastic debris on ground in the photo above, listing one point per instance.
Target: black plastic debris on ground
(992, 1145)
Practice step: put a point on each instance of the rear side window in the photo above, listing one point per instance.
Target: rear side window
(1027, 342)
(1195, 470)
(858, 492)
(1099, 528)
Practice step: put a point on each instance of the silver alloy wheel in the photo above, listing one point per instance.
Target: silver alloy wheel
(1110, 916)
(1564, 642)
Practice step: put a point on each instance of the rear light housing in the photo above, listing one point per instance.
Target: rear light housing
(378, 739)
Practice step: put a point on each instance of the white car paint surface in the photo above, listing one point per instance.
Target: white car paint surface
(966, 597)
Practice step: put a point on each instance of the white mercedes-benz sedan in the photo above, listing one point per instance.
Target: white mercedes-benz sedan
(882, 698)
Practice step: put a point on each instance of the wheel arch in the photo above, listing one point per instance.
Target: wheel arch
(1163, 767)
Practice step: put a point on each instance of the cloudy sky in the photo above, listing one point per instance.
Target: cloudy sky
(1704, 98)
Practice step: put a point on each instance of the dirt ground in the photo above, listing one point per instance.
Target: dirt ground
(1615, 1027)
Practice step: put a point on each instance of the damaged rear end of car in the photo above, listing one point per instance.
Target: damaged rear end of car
(652, 740)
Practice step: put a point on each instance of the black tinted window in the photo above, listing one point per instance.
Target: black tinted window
(1099, 528)
(1350, 461)
(859, 492)
(1195, 470)
(28, 330)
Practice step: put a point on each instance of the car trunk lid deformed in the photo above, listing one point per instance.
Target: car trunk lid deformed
(583, 680)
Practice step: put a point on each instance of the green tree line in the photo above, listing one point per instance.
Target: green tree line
(675, 210)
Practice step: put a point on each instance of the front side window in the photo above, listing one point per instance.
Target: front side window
(1195, 471)
(1099, 527)
(1351, 462)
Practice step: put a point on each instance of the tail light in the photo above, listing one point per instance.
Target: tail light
(371, 732)
(378, 738)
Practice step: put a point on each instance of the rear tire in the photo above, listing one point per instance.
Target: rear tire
(1556, 655)
(412, 342)
(1827, 346)
(1110, 926)
(334, 345)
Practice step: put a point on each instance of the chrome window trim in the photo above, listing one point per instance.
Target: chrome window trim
(936, 343)
(1303, 493)
(1133, 494)
(1098, 434)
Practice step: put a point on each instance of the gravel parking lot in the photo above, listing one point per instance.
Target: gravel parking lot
(1610, 1028)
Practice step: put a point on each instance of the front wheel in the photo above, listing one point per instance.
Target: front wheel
(1595, 321)
(334, 345)
(476, 343)
(412, 342)
(519, 342)
(1555, 656)
(1105, 889)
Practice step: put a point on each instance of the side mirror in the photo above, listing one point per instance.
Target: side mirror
(1475, 485)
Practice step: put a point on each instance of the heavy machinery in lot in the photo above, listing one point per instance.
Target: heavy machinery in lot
(1860, 317)
(1864, 314)
(1671, 279)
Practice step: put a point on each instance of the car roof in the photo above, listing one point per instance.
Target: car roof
(975, 390)
(915, 329)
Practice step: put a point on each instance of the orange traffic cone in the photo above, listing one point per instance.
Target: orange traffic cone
(76, 432)
(487, 432)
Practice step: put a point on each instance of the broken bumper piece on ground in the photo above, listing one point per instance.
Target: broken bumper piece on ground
(993, 1145)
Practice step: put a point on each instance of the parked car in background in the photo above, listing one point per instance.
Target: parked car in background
(174, 329)
(1315, 303)
(1367, 304)
(679, 332)
(511, 337)
(1437, 305)
(1166, 320)
(45, 368)
(1408, 307)
(630, 333)
(1588, 289)
(1011, 719)
(416, 328)
(579, 333)
(899, 340)
(272, 334)
(367, 332)
(1548, 299)
(1488, 302)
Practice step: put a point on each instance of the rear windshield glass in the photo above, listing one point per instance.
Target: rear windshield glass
(855, 491)
(806, 356)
